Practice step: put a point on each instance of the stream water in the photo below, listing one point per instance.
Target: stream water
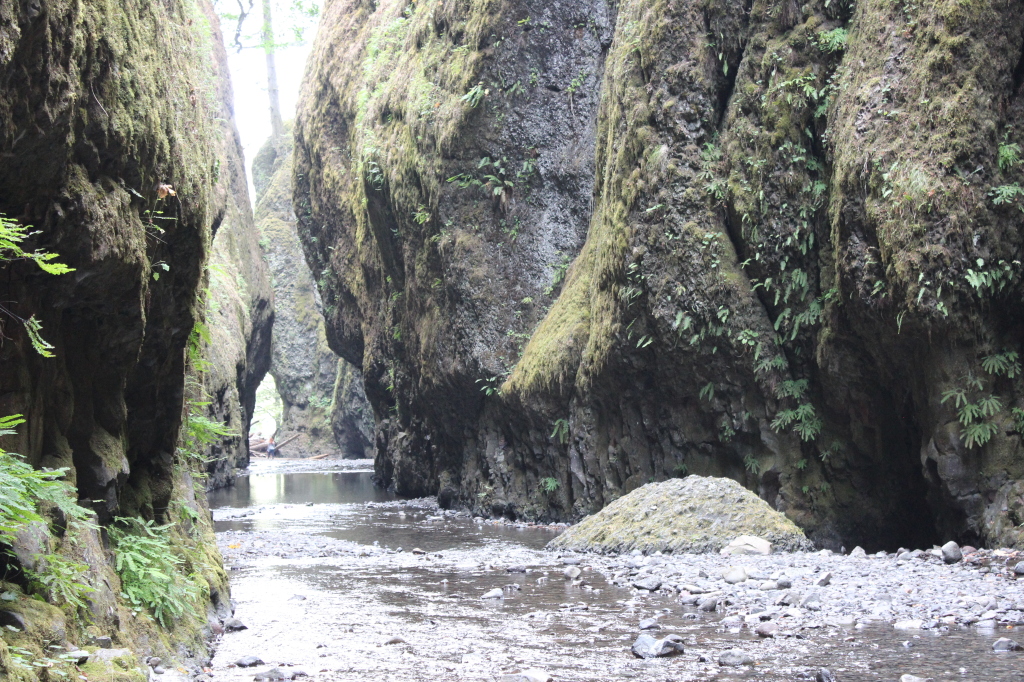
(318, 578)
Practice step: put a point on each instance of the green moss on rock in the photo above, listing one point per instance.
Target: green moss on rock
(800, 245)
(693, 514)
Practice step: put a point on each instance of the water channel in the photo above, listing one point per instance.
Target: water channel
(318, 578)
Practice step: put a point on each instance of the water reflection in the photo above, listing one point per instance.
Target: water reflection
(344, 487)
(280, 502)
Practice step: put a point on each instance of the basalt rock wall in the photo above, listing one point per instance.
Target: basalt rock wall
(322, 396)
(239, 315)
(115, 147)
(579, 246)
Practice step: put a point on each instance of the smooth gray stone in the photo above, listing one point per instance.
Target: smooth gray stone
(709, 604)
(15, 620)
(646, 646)
(650, 584)
(234, 625)
(951, 553)
(734, 575)
(734, 658)
(249, 662)
(1006, 644)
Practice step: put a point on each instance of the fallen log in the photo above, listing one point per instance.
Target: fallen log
(262, 447)
(287, 440)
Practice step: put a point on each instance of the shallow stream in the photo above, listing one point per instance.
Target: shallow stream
(318, 578)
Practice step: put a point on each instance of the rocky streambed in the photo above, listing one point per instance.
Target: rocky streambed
(337, 580)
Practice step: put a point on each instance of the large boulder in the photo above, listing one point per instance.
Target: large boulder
(692, 514)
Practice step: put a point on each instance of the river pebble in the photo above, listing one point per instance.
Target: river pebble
(921, 591)
(735, 658)
(647, 646)
(1006, 644)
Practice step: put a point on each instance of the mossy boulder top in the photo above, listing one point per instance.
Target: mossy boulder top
(694, 514)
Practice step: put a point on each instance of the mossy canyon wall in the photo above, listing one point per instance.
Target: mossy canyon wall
(118, 148)
(324, 408)
(577, 246)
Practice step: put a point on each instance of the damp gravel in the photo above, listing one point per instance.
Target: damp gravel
(325, 576)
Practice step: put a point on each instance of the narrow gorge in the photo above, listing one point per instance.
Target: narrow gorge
(522, 341)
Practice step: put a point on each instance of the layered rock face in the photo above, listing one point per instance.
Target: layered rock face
(323, 399)
(117, 150)
(603, 243)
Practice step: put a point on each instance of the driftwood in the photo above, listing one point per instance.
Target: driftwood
(323, 456)
(262, 447)
(287, 440)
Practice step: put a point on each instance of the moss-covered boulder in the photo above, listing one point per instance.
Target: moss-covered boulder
(322, 395)
(597, 244)
(695, 514)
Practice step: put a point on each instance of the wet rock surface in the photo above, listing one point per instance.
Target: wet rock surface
(582, 628)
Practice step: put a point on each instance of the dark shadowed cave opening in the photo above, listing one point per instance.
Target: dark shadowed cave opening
(912, 523)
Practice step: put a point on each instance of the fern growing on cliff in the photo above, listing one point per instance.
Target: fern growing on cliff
(1009, 154)
(150, 571)
(475, 95)
(561, 431)
(834, 40)
(975, 407)
(62, 580)
(23, 490)
(12, 236)
(1007, 195)
(548, 485)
